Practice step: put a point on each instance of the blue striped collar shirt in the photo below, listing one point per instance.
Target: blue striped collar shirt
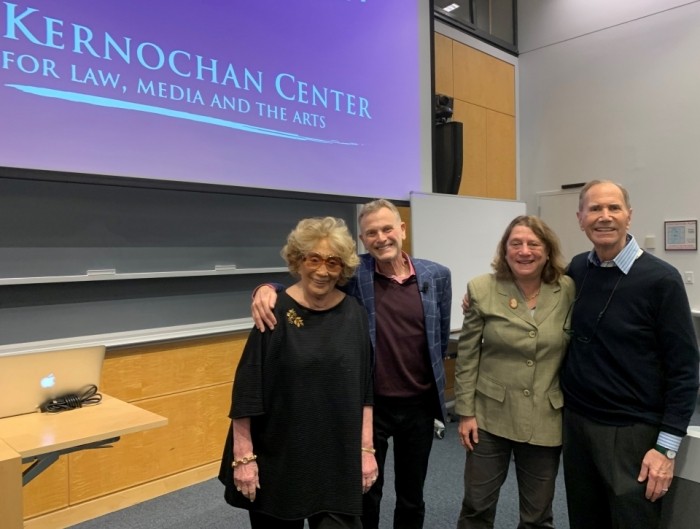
(624, 260)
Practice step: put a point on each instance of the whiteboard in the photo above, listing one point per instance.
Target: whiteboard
(558, 209)
(461, 233)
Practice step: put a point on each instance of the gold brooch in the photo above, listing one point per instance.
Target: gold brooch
(294, 318)
(513, 303)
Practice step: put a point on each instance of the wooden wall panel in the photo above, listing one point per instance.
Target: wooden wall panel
(500, 155)
(10, 483)
(194, 436)
(483, 88)
(405, 213)
(153, 370)
(483, 80)
(48, 491)
(444, 79)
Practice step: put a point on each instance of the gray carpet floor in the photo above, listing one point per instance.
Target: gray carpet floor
(202, 506)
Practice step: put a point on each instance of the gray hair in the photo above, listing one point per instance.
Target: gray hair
(584, 190)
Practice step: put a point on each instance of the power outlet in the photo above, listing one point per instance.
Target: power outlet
(688, 276)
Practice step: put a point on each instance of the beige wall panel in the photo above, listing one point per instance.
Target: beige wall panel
(194, 436)
(483, 80)
(473, 118)
(48, 491)
(149, 371)
(444, 80)
(500, 155)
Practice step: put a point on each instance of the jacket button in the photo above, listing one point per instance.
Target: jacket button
(532, 334)
(530, 363)
(526, 392)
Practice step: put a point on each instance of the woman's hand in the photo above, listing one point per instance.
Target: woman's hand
(245, 477)
(370, 471)
(468, 432)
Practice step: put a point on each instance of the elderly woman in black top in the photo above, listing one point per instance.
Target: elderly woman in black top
(300, 445)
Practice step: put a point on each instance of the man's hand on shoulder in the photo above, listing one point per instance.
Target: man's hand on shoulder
(466, 303)
(264, 299)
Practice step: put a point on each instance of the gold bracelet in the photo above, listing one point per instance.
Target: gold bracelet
(368, 449)
(244, 461)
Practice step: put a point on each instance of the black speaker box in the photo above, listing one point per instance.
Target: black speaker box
(448, 157)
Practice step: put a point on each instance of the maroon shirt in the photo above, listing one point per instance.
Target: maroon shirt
(403, 365)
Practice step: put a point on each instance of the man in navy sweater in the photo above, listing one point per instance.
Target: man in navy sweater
(630, 377)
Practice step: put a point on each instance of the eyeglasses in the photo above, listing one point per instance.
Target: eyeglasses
(313, 261)
(569, 330)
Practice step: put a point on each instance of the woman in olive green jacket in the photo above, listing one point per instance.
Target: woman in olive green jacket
(507, 375)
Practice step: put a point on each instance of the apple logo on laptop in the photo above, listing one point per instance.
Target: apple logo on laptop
(48, 381)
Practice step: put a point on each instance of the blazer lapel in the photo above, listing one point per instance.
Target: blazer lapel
(547, 301)
(513, 300)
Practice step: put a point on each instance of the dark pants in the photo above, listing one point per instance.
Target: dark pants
(485, 471)
(410, 423)
(601, 465)
(324, 520)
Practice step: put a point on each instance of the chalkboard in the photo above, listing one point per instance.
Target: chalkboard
(461, 233)
(56, 227)
(64, 228)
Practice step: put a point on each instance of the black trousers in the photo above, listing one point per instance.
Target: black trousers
(485, 471)
(319, 521)
(410, 423)
(601, 465)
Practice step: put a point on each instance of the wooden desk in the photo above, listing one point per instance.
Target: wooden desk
(42, 437)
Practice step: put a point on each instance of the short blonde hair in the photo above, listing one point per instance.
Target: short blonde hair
(309, 232)
(553, 268)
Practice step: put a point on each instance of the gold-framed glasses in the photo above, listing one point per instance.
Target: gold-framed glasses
(313, 261)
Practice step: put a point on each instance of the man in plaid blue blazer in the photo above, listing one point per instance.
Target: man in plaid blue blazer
(408, 303)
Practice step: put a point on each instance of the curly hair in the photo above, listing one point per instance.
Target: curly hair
(309, 232)
(554, 267)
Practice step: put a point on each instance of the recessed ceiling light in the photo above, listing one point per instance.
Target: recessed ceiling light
(450, 8)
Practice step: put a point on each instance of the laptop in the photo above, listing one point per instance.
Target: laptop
(28, 380)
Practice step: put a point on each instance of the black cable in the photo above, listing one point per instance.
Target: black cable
(72, 401)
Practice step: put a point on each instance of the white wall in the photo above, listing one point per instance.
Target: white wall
(545, 22)
(612, 90)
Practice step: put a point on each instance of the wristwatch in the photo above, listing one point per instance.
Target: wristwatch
(671, 454)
